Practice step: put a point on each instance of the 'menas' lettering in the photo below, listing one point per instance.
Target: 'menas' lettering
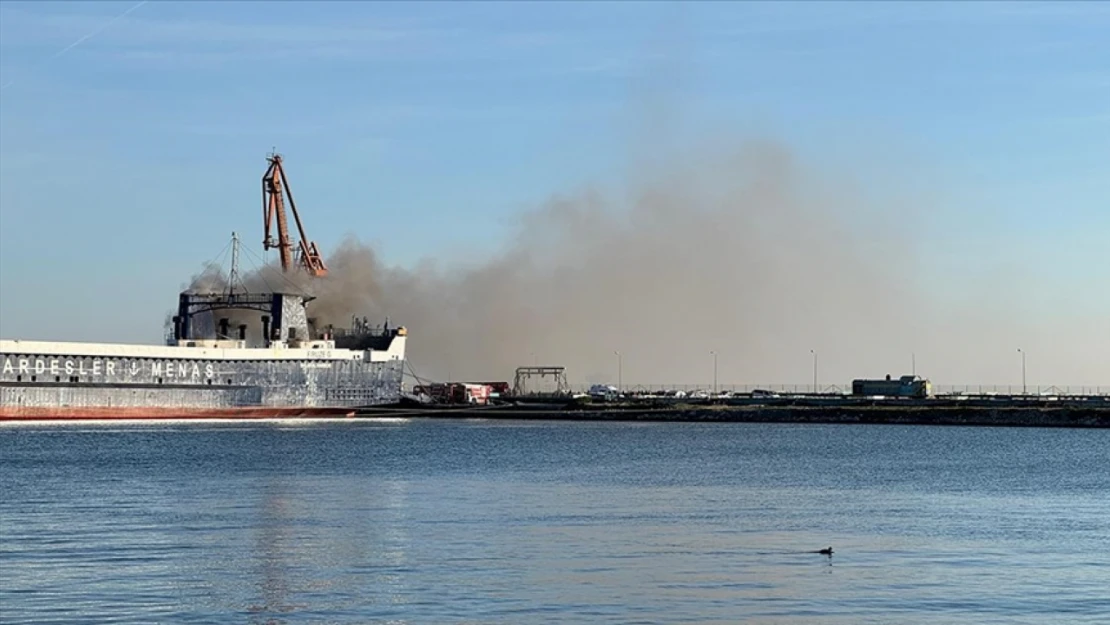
(100, 367)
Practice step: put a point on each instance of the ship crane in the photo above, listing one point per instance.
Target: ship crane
(274, 187)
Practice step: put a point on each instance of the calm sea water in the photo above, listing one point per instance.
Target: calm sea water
(510, 522)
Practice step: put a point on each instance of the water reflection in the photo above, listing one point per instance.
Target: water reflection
(274, 554)
(599, 523)
(317, 544)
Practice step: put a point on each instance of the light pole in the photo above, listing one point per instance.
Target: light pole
(913, 360)
(714, 353)
(1022, 370)
(814, 352)
(620, 372)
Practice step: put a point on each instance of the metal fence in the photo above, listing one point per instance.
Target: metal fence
(845, 389)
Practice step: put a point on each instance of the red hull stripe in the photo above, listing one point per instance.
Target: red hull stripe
(27, 413)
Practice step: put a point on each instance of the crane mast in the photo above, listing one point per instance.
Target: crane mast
(275, 186)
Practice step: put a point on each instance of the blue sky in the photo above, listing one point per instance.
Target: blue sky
(424, 128)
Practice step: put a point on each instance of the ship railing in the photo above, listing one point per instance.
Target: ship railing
(362, 331)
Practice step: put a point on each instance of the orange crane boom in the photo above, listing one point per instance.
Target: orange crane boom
(274, 187)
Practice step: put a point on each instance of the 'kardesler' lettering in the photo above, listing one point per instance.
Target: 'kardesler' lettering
(98, 367)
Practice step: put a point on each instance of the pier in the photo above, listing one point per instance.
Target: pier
(1077, 411)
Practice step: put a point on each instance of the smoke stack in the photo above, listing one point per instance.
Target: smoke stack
(242, 332)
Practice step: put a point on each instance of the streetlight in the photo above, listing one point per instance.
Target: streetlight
(714, 371)
(815, 389)
(620, 373)
(1022, 370)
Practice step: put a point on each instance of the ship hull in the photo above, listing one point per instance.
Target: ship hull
(164, 413)
(110, 382)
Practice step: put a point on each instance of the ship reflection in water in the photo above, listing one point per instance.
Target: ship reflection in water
(496, 522)
(300, 554)
(275, 554)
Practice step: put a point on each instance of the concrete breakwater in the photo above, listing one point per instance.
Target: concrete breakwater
(1075, 416)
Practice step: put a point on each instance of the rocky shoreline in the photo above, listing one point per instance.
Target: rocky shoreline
(1070, 416)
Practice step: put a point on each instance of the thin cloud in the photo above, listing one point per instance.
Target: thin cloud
(27, 27)
(791, 17)
(193, 42)
(205, 43)
(534, 39)
(83, 38)
(1079, 119)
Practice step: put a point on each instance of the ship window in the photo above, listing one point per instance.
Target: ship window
(229, 380)
(18, 378)
(209, 382)
(159, 380)
(34, 378)
(57, 378)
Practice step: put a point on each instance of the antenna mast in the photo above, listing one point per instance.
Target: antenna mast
(233, 275)
(274, 187)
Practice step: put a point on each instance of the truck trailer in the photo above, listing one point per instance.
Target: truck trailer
(905, 386)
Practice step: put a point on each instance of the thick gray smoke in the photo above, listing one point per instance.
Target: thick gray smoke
(739, 251)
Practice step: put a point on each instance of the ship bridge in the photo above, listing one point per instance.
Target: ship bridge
(282, 317)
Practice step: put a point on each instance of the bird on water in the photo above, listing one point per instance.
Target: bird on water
(826, 552)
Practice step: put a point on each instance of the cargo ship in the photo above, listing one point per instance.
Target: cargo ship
(230, 354)
(291, 374)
